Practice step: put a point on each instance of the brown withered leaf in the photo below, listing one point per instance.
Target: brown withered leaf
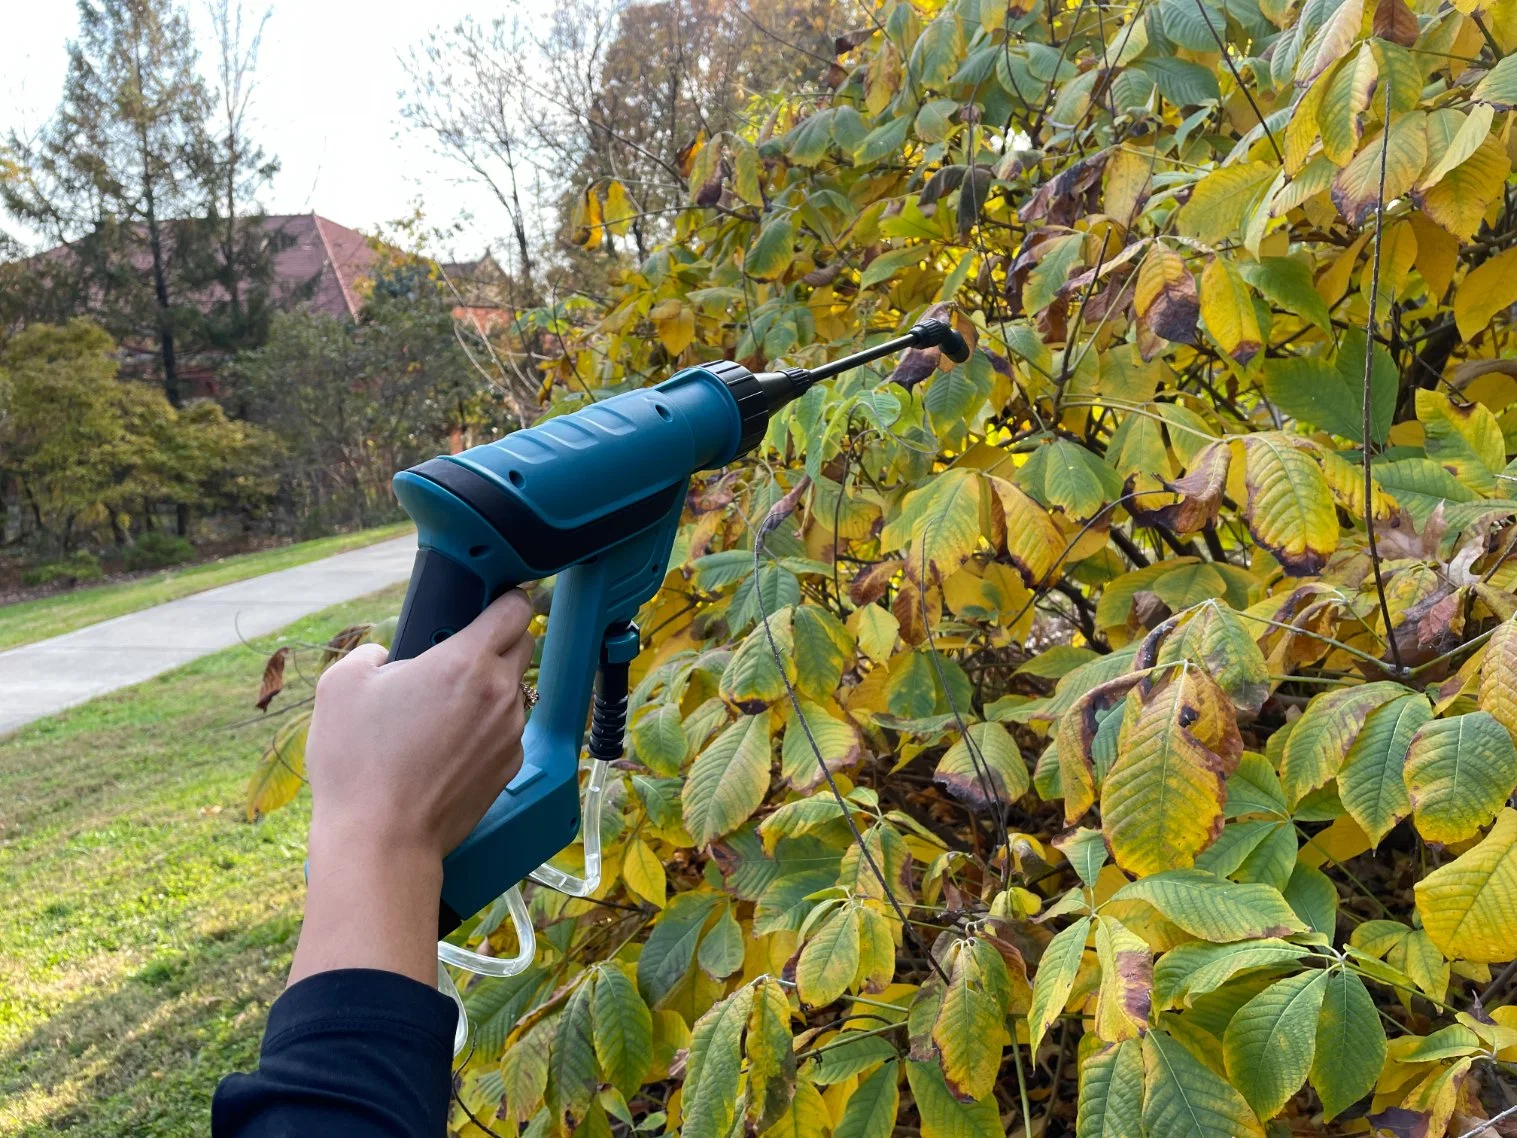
(907, 607)
(1166, 301)
(835, 76)
(1076, 735)
(711, 192)
(785, 506)
(1068, 195)
(343, 643)
(1396, 22)
(915, 365)
(823, 274)
(1398, 1122)
(870, 585)
(273, 678)
(1201, 490)
(1430, 628)
(850, 40)
(1399, 538)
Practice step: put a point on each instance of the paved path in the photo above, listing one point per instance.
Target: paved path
(42, 678)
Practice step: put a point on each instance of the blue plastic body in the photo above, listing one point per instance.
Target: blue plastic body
(602, 465)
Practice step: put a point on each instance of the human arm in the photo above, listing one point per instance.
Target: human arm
(403, 759)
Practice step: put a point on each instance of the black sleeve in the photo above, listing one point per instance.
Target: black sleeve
(347, 1054)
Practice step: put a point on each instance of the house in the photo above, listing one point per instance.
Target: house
(317, 266)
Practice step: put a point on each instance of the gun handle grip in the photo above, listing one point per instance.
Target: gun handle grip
(443, 597)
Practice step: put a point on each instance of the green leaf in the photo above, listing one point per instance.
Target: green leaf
(1191, 970)
(827, 963)
(1459, 772)
(1321, 737)
(1271, 1041)
(1213, 908)
(1286, 282)
(1216, 638)
(1311, 390)
(728, 780)
(623, 1029)
(1062, 475)
(944, 1116)
(1371, 782)
(837, 740)
(1056, 977)
(872, 1108)
(1350, 1044)
(1181, 82)
(1008, 774)
(658, 739)
(887, 265)
(721, 950)
(848, 1054)
(772, 250)
(1313, 897)
(1111, 1093)
(1183, 1098)
(1085, 849)
(1499, 86)
(714, 1066)
(571, 1063)
(670, 948)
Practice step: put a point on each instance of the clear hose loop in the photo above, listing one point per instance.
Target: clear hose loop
(446, 986)
(482, 965)
(595, 793)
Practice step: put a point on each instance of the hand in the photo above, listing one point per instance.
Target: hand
(403, 760)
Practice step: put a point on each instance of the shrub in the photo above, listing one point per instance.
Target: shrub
(156, 549)
(1235, 440)
(74, 569)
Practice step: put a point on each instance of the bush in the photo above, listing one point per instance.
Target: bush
(74, 569)
(156, 550)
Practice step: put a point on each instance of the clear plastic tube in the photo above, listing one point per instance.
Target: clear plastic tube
(483, 965)
(595, 793)
(446, 986)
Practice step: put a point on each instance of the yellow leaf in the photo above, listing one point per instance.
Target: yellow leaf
(1290, 505)
(589, 228)
(1332, 41)
(876, 629)
(1164, 297)
(1127, 981)
(1128, 176)
(1333, 282)
(1301, 132)
(1498, 676)
(1459, 772)
(619, 209)
(675, 323)
(1485, 291)
(1032, 540)
(281, 772)
(1460, 199)
(1474, 128)
(1437, 254)
(1469, 906)
(1224, 197)
(806, 1116)
(1227, 306)
(1162, 802)
(1356, 189)
(1320, 739)
(1341, 115)
(643, 872)
(1467, 441)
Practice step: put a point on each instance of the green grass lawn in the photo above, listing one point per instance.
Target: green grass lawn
(26, 621)
(145, 927)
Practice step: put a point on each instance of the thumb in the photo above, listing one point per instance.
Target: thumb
(364, 658)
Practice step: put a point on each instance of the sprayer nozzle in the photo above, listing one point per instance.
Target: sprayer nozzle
(940, 334)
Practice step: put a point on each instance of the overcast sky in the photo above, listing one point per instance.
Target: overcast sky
(327, 103)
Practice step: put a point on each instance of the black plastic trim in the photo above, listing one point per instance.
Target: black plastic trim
(544, 547)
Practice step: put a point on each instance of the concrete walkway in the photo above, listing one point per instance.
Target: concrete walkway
(50, 675)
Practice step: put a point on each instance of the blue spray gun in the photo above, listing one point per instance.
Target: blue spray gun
(594, 497)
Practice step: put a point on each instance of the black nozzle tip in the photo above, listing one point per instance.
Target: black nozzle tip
(940, 334)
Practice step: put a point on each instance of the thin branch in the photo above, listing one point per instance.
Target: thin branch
(1368, 397)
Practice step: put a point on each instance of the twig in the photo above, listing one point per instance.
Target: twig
(1489, 1123)
(1247, 94)
(1368, 399)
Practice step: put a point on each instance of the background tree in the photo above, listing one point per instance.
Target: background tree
(355, 402)
(109, 173)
